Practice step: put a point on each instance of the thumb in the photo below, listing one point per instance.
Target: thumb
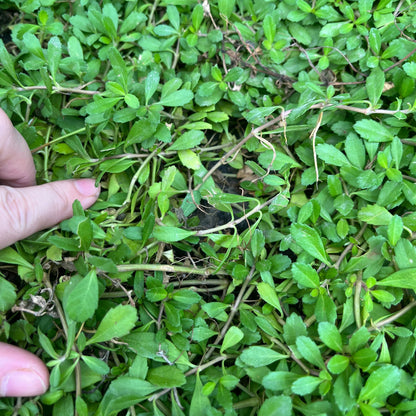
(24, 211)
(22, 374)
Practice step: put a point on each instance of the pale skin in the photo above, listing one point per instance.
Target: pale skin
(25, 209)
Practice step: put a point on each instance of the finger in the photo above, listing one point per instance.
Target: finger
(16, 163)
(22, 374)
(25, 211)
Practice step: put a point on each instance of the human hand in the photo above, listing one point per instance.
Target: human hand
(25, 209)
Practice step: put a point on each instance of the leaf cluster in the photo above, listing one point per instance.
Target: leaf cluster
(253, 247)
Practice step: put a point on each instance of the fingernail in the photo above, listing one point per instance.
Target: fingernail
(22, 383)
(86, 187)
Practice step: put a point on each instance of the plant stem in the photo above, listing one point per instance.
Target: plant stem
(164, 268)
(65, 329)
(234, 309)
(58, 139)
(136, 176)
(233, 223)
(349, 247)
(57, 89)
(357, 301)
(393, 317)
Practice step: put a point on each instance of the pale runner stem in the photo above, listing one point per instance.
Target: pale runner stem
(357, 301)
(233, 223)
(57, 89)
(64, 324)
(165, 268)
(349, 247)
(233, 311)
(313, 137)
(239, 145)
(58, 139)
(393, 317)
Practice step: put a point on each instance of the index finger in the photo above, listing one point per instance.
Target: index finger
(17, 168)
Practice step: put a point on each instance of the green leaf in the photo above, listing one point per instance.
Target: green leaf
(201, 334)
(364, 358)
(276, 160)
(382, 383)
(293, 328)
(169, 234)
(305, 385)
(116, 323)
(188, 140)
(373, 131)
(200, 403)
(359, 339)
(103, 263)
(7, 295)
(375, 215)
(257, 242)
(189, 159)
(257, 115)
(309, 351)
(279, 380)
(368, 410)
(355, 150)
(337, 364)
(124, 392)
(96, 365)
(185, 298)
(216, 310)
(257, 356)
(331, 155)
(32, 43)
(150, 85)
(226, 7)
(54, 55)
(308, 239)
(394, 230)
(165, 30)
(232, 337)
(132, 101)
(325, 309)
(142, 130)
(269, 295)
(82, 300)
(7, 61)
(305, 275)
(405, 279)
(177, 98)
(166, 376)
(85, 233)
(375, 84)
(330, 336)
(269, 27)
(410, 69)
(11, 256)
(300, 33)
(276, 406)
(101, 105)
(156, 294)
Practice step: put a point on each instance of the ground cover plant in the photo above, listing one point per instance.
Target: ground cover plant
(252, 250)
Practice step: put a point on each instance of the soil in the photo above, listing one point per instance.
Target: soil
(6, 18)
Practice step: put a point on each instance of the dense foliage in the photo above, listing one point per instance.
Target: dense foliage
(253, 247)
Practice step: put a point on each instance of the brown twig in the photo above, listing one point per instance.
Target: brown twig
(401, 60)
